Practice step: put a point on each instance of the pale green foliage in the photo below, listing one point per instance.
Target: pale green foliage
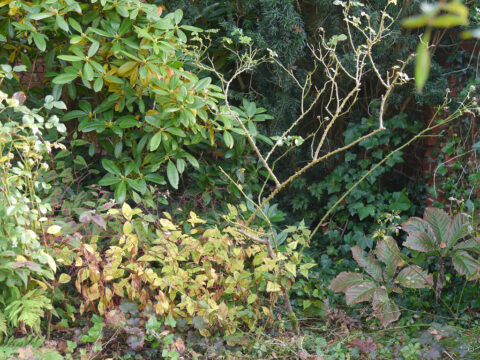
(23, 154)
(28, 310)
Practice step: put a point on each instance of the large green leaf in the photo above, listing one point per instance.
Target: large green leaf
(344, 280)
(387, 251)
(465, 264)
(361, 292)
(414, 277)
(369, 264)
(385, 309)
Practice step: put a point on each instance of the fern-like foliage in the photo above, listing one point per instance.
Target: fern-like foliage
(3, 324)
(28, 310)
(10, 345)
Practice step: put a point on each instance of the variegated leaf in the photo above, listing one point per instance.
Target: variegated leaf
(414, 277)
(360, 292)
(369, 264)
(385, 309)
(344, 280)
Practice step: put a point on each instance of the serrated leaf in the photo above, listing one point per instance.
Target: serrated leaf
(414, 277)
(457, 229)
(385, 309)
(421, 241)
(387, 251)
(464, 263)
(344, 280)
(360, 292)
(439, 221)
(369, 264)
(469, 245)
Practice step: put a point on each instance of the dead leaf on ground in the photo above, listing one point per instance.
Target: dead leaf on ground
(179, 346)
(365, 346)
(114, 318)
(25, 353)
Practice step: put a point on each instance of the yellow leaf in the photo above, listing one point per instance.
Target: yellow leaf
(64, 278)
(222, 311)
(210, 132)
(127, 228)
(251, 298)
(126, 68)
(273, 287)
(127, 211)
(5, 2)
(291, 268)
(93, 292)
(54, 230)
(167, 224)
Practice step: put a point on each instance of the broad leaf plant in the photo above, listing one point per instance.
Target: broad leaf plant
(380, 280)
